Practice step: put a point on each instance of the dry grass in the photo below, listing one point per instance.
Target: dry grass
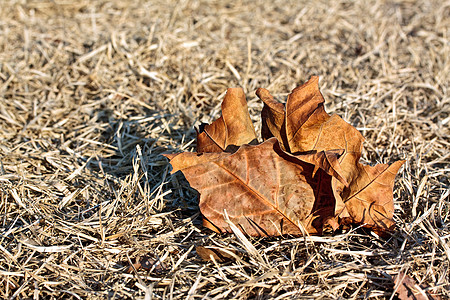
(92, 93)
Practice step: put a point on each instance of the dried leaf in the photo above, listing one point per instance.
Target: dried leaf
(365, 193)
(408, 289)
(233, 129)
(368, 199)
(264, 190)
(305, 117)
(272, 117)
(304, 176)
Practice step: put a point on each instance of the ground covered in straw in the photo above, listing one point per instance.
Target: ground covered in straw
(92, 93)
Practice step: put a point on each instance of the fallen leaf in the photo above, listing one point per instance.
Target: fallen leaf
(272, 118)
(408, 289)
(233, 129)
(264, 190)
(305, 175)
(306, 118)
(368, 198)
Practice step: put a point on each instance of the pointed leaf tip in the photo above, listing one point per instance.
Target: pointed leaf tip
(369, 199)
(233, 128)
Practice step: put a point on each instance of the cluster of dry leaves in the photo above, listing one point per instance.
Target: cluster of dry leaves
(303, 177)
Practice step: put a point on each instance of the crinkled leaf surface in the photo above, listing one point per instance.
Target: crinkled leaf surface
(234, 128)
(272, 118)
(365, 194)
(368, 199)
(306, 173)
(264, 190)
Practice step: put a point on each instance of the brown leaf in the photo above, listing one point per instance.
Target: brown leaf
(368, 199)
(308, 127)
(272, 118)
(408, 289)
(304, 125)
(305, 116)
(233, 129)
(304, 176)
(364, 194)
(264, 190)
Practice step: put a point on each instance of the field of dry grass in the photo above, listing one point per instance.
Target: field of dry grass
(91, 94)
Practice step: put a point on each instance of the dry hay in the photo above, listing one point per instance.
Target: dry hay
(92, 93)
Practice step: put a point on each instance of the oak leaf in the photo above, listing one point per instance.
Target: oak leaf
(304, 176)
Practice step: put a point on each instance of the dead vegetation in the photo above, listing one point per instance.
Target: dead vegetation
(91, 93)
